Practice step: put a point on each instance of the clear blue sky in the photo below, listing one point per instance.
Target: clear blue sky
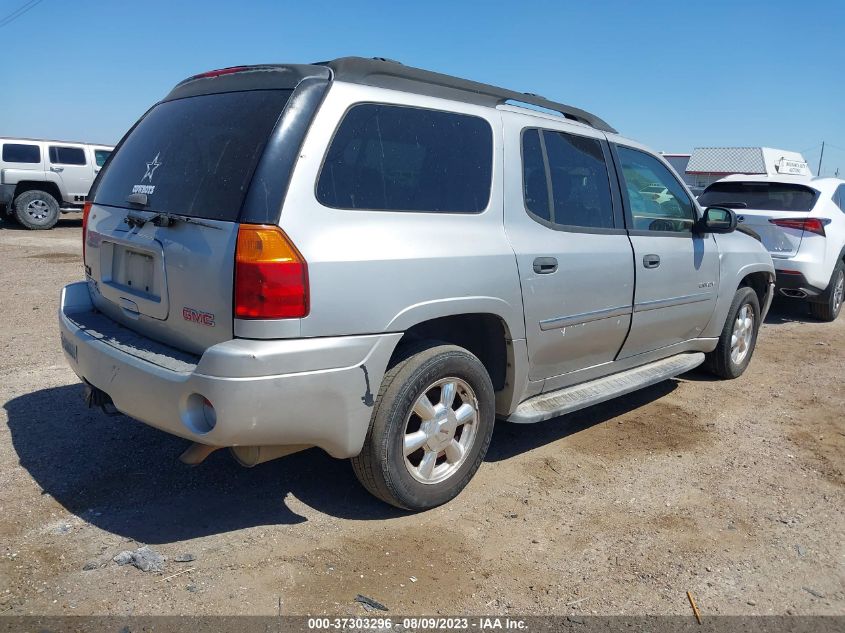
(674, 75)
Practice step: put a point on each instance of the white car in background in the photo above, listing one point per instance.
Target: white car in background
(801, 221)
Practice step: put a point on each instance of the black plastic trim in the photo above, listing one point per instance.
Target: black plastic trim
(270, 182)
(796, 282)
(265, 77)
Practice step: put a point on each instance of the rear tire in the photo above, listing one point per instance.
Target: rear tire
(829, 304)
(430, 429)
(738, 338)
(36, 210)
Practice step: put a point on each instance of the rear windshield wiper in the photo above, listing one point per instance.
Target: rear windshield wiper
(162, 219)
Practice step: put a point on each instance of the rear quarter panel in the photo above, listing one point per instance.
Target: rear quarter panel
(383, 271)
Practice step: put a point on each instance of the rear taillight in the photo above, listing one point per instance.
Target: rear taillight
(813, 225)
(271, 276)
(85, 211)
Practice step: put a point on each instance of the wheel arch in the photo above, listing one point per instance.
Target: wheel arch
(38, 185)
(755, 275)
(487, 335)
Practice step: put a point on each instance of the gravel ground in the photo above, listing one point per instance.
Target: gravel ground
(730, 490)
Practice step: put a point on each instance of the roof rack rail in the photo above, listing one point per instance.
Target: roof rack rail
(384, 73)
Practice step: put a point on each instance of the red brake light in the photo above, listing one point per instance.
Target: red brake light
(85, 211)
(217, 73)
(271, 276)
(813, 225)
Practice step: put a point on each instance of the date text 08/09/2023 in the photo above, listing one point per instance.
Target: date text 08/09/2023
(417, 624)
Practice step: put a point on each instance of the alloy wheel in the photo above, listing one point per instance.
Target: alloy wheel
(440, 430)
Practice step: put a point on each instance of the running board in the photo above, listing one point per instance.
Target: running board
(555, 403)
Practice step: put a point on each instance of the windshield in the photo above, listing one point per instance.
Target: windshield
(194, 156)
(770, 196)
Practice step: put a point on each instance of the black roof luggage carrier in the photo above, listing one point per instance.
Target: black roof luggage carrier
(377, 72)
(384, 73)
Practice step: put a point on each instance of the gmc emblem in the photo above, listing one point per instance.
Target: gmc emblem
(196, 316)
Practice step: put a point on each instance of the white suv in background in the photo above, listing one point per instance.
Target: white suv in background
(801, 221)
(41, 179)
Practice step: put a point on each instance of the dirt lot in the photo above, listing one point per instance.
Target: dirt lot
(734, 491)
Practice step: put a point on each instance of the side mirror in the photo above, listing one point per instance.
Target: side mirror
(717, 220)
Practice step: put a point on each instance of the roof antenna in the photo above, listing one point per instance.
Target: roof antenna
(819, 172)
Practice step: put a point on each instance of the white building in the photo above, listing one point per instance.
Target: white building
(709, 164)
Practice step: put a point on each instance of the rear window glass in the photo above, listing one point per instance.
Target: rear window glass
(395, 158)
(194, 156)
(19, 153)
(67, 155)
(768, 196)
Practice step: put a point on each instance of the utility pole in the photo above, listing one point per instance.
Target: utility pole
(819, 173)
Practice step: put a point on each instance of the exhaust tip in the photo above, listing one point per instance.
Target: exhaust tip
(793, 293)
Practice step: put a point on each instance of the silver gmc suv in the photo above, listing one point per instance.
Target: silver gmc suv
(380, 261)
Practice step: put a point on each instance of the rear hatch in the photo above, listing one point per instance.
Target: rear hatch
(759, 205)
(162, 230)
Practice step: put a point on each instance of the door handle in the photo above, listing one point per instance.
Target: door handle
(651, 261)
(545, 265)
(57, 169)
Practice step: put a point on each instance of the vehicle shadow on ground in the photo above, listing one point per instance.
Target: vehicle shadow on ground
(510, 440)
(123, 476)
(789, 311)
(71, 221)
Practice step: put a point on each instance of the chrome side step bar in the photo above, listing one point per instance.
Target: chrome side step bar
(555, 403)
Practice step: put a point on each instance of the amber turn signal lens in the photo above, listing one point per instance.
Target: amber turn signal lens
(271, 276)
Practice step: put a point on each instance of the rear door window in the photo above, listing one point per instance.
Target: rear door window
(768, 196)
(397, 158)
(194, 156)
(565, 180)
(60, 155)
(100, 156)
(535, 184)
(21, 153)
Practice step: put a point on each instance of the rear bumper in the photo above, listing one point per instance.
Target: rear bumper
(314, 392)
(795, 285)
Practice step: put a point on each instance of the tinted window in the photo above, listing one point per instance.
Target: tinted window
(658, 201)
(535, 185)
(839, 198)
(580, 186)
(578, 193)
(18, 153)
(395, 158)
(67, 155)
(770, 196)
(100, 156)
(194, 156)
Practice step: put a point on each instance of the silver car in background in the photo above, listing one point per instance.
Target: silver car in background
(380, 261)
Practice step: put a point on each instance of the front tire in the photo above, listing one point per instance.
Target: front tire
(829, 304)
(430, 429)
(36, 210)
(739, 337)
